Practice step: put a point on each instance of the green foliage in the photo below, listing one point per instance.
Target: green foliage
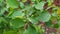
(17, 23)
(26, 16)
(10, 32)
(12, 3)
(17, 14)
(40, 5)
(45, 16)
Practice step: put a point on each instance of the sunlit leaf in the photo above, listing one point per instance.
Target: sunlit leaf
(12, 3)
(19, 14)
(40, 5)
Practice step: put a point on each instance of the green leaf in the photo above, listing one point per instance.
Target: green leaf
(40, 5)
(17, 23)
(45, 16)
(18, 14)
(39, 29)
(56, 25)
(24, 0)
(2, 11)
(3, 20)
(10, 32)
(50, 2)
(58, 22)
(49, 23)
(33, 0)
(26, 32)
(29, 11)
(21, 4)
(30, 30)
(1, 0)
(0, 20)
(33, 20)
(12, 3)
